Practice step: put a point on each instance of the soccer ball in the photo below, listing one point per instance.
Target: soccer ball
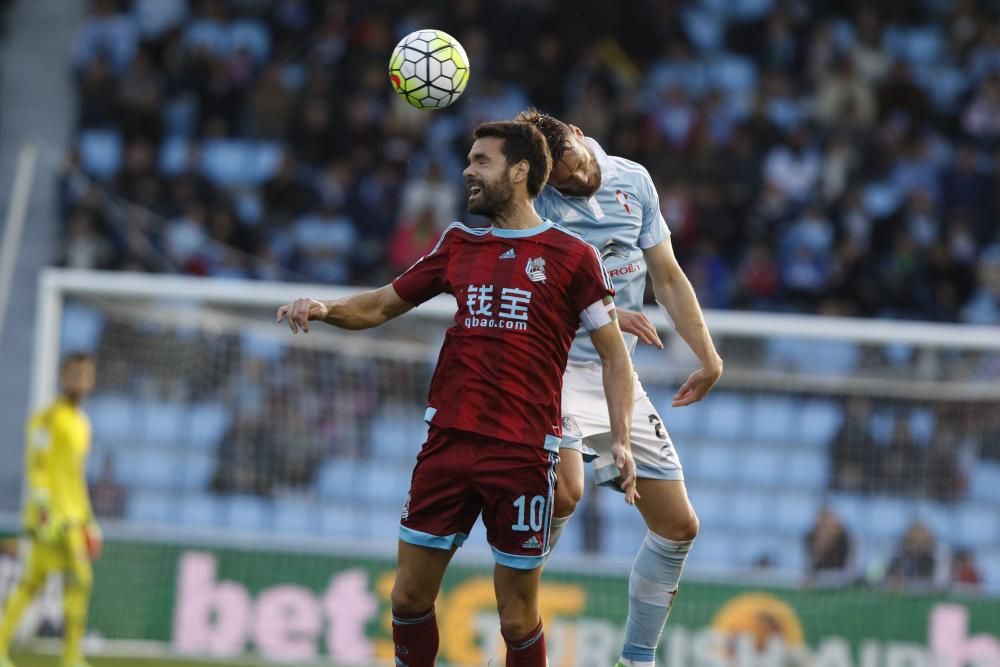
(429, 69)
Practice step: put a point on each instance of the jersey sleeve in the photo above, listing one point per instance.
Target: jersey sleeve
(428, 277)
(654, 228)
(591, 283)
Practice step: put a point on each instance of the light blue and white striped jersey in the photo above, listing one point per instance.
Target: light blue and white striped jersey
(621, 220)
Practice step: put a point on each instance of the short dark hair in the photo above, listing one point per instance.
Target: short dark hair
(76, 358)
(521, 141)
(557, 133)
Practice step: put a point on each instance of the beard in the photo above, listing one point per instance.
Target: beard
(494, 199)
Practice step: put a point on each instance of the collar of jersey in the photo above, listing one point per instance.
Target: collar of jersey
(521, 233)
(603, 161)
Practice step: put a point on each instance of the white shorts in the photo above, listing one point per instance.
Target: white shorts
(586, 427)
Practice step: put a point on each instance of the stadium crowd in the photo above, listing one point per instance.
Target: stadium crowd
(810, 156)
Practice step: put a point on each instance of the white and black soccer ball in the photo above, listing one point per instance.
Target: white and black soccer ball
(429, 69)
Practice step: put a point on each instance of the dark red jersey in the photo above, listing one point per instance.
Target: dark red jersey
(520, 296)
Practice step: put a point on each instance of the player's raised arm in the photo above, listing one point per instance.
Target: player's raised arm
(359, 311)
(674, 292)
(616, 368)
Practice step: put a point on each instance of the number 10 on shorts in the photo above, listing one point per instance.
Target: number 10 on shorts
(534, 512)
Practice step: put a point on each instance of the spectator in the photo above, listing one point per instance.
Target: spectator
(856, 462)
(83, 247)
(984, 306)
(412, 239)
(108, 496)
(981, 119)
(828, 549)
(794, 167)
(918, 561)
(845, 94)
(964, 572)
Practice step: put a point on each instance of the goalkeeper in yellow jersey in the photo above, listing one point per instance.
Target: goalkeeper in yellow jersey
(57, 517)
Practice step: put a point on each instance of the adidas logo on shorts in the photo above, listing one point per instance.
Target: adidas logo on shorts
(532, 543)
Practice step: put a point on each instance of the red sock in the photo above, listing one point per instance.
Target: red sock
(416, 639)
(529, 651)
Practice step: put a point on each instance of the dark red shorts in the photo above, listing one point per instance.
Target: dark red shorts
(460, 475)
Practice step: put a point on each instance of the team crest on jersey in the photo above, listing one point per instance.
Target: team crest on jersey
(535, 268)
(570, 427)
(614, 248)
(622, 198)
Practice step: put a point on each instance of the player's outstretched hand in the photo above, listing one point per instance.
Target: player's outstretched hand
(626, 471)
(95, 541)
(697, 386)
(300, 312)
(639, 325)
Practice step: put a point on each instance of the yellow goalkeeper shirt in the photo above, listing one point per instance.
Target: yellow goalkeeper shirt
(56, 459)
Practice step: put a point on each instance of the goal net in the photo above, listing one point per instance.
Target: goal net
(846, 474)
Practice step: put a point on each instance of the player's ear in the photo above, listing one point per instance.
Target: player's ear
(575, 130)
(519, 172)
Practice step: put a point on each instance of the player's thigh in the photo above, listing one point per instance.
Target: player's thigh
(419, 573)
(569, 481)
(517, 484)
(442, 504)
(43, 559)
(77, 561)
(666, 508)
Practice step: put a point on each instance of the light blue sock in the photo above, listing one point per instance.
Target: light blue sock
(556, 527)
(652, 586)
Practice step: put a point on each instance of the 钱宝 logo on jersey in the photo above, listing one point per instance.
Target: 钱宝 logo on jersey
(535, 268)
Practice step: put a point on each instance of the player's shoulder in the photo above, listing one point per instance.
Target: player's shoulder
(569, 241)
(459, 231)
(630, 170)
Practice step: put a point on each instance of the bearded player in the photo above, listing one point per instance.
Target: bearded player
(612, 203)
(58, 517)
(523, 287)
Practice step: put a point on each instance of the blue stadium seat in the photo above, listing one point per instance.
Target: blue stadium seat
(252, 36)
(711, 503)
(207, 423)
(263, 348)
(201, 510)
(850, 508)
(819, 421)
(939, 517)
(712, 551)
(718, 463)
(247, 513)
(150, 507)
(807, 468)
(112, 418)
(196, 470)
(209, 35)
(397, 431)
(705, 29)
(771, 419)
(154, 17)
(984, 481)
(380, 524)
(764, 466)
(174, 153)
(81, 327)
(161, 423)
(887, 517)
(880, 199)
(727, 417)
(224, 161)
(101, 152)
(263, 160)
(750, 10)
(147, 468)
(735, 75)
(989, 567)
(342, 521)
(384, 482)
(624, 535)
(338, 479)
(751, 546)
(682, 423)
(295, 515)
(750, 509)
(794, 512)
(977, 526)
(922, 423)
(945, 84)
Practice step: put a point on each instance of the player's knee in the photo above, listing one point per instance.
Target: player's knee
(686, 529)
(569, 491)
(518, 617)
(408, 597)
